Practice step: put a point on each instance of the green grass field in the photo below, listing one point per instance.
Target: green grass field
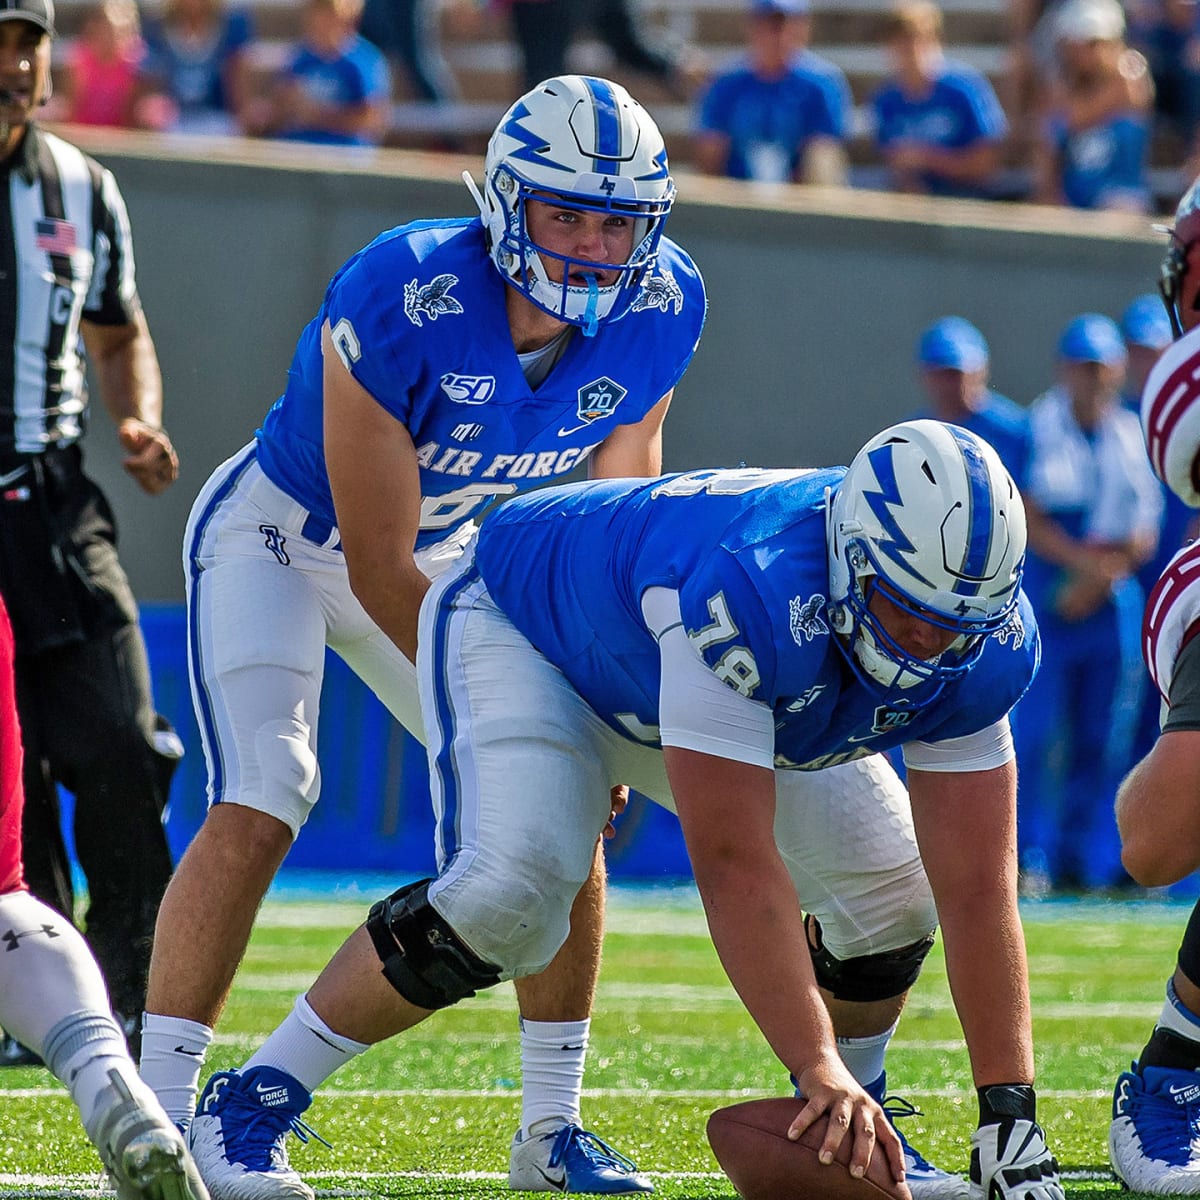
(431, 1114)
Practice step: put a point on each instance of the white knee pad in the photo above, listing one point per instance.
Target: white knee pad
(846, 835)
(289, 776)
(518, 924)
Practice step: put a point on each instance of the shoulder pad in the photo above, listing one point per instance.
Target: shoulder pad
(1171, 609)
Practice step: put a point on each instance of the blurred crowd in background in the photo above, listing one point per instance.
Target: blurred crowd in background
(1101, 529)
(1077, 102)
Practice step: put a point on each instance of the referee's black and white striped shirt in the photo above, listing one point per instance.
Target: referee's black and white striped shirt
(65, 254)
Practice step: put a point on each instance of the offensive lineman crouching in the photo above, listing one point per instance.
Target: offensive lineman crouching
(738, 645)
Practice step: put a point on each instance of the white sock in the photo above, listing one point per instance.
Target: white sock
(1177, 1017)
(552, 1054)
(47, 974)
(305, 1047)
(864, 1057)
(173, 1054)
(81, 1050)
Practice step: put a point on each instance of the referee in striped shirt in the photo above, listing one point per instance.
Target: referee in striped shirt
(83, 684)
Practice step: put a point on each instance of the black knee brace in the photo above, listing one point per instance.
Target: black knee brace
(1189, 948)
(869, 976)
(423, 958)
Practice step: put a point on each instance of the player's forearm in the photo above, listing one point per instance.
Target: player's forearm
(972, 165)
(391, 596)
(986, 966)
(1157, 805)
(758, 931)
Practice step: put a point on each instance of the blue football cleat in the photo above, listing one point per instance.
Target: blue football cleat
(237, 1136)
(1154, 1138)
(573, 1161)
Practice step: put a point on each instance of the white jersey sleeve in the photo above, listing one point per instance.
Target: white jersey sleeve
(979, 751)
(1171, 416)
(1171, 610)
(696, 710)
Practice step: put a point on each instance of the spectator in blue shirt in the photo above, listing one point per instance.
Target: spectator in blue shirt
(779, 114)
(197, 60)
(1094, 509)
(1094, 147)
(336, 88)
(938, 124)
(953, 359)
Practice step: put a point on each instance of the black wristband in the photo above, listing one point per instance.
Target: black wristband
(1006, 1101)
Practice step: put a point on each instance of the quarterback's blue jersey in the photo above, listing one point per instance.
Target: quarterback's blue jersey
(745, 549)
(420, 318)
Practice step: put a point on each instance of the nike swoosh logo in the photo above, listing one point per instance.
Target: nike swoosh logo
(568, 432)
(558, 1183)
(12, 476)
(189, 1053)
(866, 738)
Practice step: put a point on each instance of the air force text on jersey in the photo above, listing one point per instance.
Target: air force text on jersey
(418, 318)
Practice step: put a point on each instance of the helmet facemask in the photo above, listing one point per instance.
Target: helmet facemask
(524, 261)
(878, 659)
(1170, 280)
(1173, 275)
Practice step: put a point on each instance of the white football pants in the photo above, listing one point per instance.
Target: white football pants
(263, 602)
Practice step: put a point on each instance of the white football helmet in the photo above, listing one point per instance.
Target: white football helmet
(582, 143)
(928, 510)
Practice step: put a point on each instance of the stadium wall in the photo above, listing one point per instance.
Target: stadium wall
(816, 299)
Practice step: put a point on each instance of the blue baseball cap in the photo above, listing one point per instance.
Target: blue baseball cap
(1092, 337)
(787, 8)
(955, 343)
(1145, 323)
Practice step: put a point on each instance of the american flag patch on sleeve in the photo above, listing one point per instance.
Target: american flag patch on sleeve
(55, 235)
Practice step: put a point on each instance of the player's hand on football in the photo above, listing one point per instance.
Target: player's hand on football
(1010, 1160)
(620, 798)
(151, 459)
(831, 1089)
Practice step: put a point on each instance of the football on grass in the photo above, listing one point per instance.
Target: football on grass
(751, 1143)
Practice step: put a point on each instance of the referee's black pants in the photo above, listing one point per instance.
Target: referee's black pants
(87, 718)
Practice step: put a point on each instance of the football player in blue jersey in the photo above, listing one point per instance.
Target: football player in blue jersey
(452, 363)
(740, 646)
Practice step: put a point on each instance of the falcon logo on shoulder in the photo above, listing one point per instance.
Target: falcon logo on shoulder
(431, 299)
(659, 291)
(806, 618)
(1014, 629)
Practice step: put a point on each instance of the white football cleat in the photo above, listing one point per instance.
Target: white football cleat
(238, 1135)
(141, 1148)
(568, 1159)
(1154, 1138)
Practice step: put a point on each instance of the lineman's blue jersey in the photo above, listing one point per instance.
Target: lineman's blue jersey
(745, 550)
(419, 316)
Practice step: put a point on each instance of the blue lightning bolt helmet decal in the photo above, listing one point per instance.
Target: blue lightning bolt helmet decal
(894, 542)
(531, 146)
